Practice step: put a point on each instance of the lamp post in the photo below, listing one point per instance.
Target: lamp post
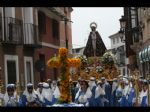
(66, 20)
(122, 28)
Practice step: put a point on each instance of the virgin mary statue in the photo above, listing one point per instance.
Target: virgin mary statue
(95, 45)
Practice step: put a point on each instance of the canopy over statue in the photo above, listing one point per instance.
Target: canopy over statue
(95, 45)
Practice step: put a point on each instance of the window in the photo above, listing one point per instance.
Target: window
(11, 70)
(41, 22)
(113, 40)
(134, 20)
(28, 61)
(55, 28)
(117, 39)
(28, 66)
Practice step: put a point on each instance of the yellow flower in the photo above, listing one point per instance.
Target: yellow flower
(74, 62)
(63, 51)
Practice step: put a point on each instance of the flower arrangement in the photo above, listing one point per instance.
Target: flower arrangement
(64, 63)
(63, 52)
(107, 59)
(54, 62)
(83, 61)
(74, 62)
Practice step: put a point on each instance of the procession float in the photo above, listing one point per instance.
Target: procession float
(95, 62)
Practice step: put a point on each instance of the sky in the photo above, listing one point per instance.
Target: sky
(107, 19)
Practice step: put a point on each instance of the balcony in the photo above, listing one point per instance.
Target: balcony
(57, 11)
(31, 37)
(10, 31)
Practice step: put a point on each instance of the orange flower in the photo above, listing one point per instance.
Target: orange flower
(63, 51)
(74, 62)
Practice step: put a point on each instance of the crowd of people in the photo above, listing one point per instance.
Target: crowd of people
(119, 92)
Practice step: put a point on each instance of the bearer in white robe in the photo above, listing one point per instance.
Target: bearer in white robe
(99, 95)
(47, 95)
(92, 85)
(11, 99)
(30, 97)
(84, 94)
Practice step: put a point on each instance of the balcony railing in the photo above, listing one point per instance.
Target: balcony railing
(10, 30)
(31, 37)
(13, 31)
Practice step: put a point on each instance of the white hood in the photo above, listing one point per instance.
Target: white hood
(99, 91)
(114, 86)
(83, 98)
(56, 92)
(30, 97)
(13, 99)
(39, 94)
(142, 94)
(47, 94)
(92, 84)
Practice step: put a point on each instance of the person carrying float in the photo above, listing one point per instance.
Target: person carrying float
(119, 92)
(84, 94)
(30, 97)
(113, 92)
(99, 95)
(56, 93)
(125, 88)
(10, 98)
(132, 93)
(92, 86)
(47, 95)
(143, 96)
(39, 92)
(107, 88)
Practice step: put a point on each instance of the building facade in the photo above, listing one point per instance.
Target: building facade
(53, 31)
(29, 36)
(118, 49)
(144, 49)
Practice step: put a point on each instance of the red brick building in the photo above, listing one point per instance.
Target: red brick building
(29, 36)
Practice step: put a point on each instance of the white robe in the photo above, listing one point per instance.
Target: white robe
(141, 95)
(99, 91)
(84, 98)
(47, 94)
(30, 97)
(13, 99)
(56, 92)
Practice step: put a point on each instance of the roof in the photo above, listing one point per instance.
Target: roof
(113, 35)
